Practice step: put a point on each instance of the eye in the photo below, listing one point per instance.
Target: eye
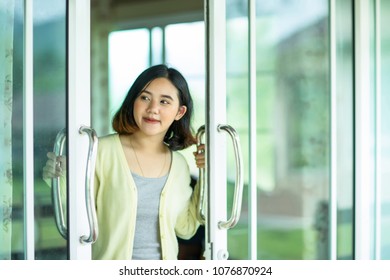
(144, 97)
(164, 102)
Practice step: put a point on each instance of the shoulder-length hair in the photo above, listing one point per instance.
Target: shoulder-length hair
(179, 135)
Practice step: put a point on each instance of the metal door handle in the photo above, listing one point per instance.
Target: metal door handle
(89, 186)
(239, 184)
(200, 213)
(55, 187)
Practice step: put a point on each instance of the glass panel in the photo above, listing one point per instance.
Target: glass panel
(11, 130)
(237, 116)
(49, 117)
(157, 45)
(345, 119)
(293, 128)
(191, 66)
(384, 134)
(128, 56)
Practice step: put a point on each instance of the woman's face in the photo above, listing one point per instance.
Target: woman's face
(157, 107)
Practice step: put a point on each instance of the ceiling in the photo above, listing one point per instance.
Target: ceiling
(130, 10)
(124, 14)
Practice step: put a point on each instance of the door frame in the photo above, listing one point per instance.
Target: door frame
(215, 24)
(79, 115)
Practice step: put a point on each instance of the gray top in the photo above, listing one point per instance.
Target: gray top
(147, 244)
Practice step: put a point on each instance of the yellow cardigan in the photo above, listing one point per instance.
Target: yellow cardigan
(116, 204)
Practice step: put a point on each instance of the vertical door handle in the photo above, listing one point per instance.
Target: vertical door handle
(55, 187)
(200, 213)
(89, 186)
(239, 184)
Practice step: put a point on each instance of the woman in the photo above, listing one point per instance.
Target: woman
(142, 184)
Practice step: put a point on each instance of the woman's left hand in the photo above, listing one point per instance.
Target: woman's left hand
(200, 156)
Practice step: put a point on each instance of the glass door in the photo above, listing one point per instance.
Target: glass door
(272, 76)
(45, 106)
(49, 96)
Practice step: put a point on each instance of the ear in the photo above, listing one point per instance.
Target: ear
(181, 112)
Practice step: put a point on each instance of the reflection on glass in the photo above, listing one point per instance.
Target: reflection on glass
(184, 46)
(237, 116)
(49, 117)
(293, 130)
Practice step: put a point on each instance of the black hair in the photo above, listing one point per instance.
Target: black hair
(179, 135)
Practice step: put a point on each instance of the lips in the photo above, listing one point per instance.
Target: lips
(151, 120)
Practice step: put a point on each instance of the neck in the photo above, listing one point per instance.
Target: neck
(148, 144)
(149, 153)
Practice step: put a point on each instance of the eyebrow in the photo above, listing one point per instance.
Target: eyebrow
(163, 96)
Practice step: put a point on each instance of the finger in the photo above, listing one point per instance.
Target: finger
(200, 160)
(48, 173)
(51, 163)
(200, 155)
(58, 169)
(51, 155)
(53, 166)
(200, 147)
(61, 161)
(200, 152)
(52, 169)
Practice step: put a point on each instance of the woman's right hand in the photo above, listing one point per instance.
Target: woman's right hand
(55, 166)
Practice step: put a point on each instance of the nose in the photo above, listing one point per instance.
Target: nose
(153, 107)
